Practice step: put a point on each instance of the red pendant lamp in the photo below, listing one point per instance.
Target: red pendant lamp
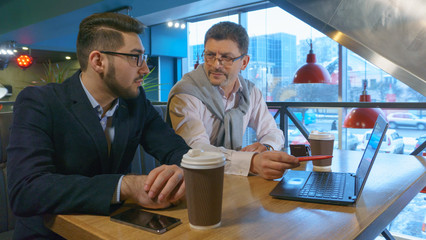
(363, 117)
(24, 61)
(197, 62)
(312, 72)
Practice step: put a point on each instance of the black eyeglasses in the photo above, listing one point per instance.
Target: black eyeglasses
(224, 60)
(135, 60)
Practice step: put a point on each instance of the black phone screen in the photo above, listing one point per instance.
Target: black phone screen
(152, 222)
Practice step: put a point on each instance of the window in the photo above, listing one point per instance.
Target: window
(279, 46)
(196, 31)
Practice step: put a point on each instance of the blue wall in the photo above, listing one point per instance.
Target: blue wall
(146, 40)
(170, 46)
(169, 41)
(170, 73)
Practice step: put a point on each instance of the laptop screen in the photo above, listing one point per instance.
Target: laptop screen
(370, 153)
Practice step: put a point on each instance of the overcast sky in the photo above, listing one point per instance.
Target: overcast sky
(261, 22)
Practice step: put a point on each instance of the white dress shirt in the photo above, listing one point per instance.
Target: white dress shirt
(109, 130)
(198, 126)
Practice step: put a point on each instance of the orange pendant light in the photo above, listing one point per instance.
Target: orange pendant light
(363, 117)
(24, 61)
(312, 72)
(197, 63)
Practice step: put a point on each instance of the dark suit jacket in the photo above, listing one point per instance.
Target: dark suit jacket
(58, 155)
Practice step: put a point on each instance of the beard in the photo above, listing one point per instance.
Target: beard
(224, 82)
(115, 87)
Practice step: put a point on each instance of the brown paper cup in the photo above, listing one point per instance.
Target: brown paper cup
(204, 173)
(322, 143)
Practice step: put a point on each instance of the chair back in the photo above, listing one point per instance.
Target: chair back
(143, 162)
(7, 219)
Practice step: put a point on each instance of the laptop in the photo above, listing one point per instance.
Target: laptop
(332, 187)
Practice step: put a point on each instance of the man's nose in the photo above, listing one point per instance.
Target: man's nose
(144, 68)
(217, 61)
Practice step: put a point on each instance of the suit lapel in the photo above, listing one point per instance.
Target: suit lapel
(84, 113)
(121, 135)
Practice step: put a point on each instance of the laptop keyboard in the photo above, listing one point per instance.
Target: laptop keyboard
(324, 185)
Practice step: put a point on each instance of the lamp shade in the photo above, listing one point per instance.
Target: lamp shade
(312, 72)
(362, 117)
(196, 64)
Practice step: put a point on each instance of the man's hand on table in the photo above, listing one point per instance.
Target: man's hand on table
(272, 164)
(162, 187)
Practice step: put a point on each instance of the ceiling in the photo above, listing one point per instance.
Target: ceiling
(53, 25)
(49, 28)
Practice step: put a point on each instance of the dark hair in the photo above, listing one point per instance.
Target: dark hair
(103, 31)
(231, 31)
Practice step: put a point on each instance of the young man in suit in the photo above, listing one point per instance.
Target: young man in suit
(71, 144)
(212, 106)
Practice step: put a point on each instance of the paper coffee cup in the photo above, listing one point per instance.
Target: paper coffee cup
(322, 143)
(203, 173)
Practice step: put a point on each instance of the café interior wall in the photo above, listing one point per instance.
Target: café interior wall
(169, 74)
(146, 40)
(170, 45)
(169, 41)
(20, 78)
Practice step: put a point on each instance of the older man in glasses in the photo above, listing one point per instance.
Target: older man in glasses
(212, 106)
(71, 144)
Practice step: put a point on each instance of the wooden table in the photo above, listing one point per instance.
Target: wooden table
(250, 213)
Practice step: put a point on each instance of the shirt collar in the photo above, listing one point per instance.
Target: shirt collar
(237, 87)
(96, 105)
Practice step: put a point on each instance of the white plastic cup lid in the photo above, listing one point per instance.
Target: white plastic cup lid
(317, 135)
(198, 159)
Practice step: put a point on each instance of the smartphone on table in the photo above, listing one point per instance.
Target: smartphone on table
(152, 222)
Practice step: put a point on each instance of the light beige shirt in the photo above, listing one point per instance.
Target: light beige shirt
(198, 126)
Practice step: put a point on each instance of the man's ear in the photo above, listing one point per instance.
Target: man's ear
(246, 60)
(97, 61)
